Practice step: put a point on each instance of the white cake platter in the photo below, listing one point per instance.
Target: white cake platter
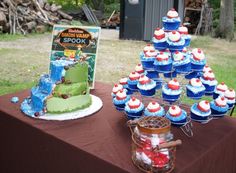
(93, 108)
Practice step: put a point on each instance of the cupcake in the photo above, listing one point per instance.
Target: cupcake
(195, 88)
(171, 91)
(134, 108)
(133, 80)
(181, 63)
(120, 99)
(176, 115)
(206, 68)
(230, 96)
(175, 42)
(163, 63)
(146, 86)
(184, 34)
(208, 80)
(201, 111)
(219, 106)
(159, 39)
(139, 69)
(172, 20)
(171, 75)
(148, 56)
(154, 109)
(198, 60)
(115, 89)
(220, 90)
(124, 83)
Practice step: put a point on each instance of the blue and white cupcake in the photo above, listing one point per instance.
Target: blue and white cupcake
(133, 80)
(181, 63)
(159, 39)
(230, 96)
(184, 34)
(206, 68)
(134, 108)
(146, 86)
(175, 41)
(195, 88)
(139, 69)
(147, 56)
(124, 83)
(220, 90)
(115, 89)
(201, 111)
(176, 115)
(219, 106)
(209, 81)
(120, 99)
(171, 91)
(163, 63)
(172, 20)
(154, 109)
(198, 60)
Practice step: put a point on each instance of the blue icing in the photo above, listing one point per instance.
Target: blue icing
(37, 98)
(132, 82)
(144, 58)
(161, 112)
(196, 111)
(169, 61)
(181, 42)
(26, 107)
(147, 86)
(169, 91)
(119, 102)
(218, 108)
(182, 116)
(195, 89)
(46, 84)
(140, 108)
(166, 19)
(14, 99)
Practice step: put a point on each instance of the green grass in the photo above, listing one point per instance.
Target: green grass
(11, 37)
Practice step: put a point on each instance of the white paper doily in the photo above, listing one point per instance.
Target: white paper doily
(94, 107)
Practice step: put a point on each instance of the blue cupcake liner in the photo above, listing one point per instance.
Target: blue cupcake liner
(215, 95)
(152, 74)
(170, 75)
(215, 112)
(160, 46)
(133, 87)
(179, 123)
(195, 95)
(187, 42)
(150, 92)
(164, 68)
(170, 26)
(173, 48)
(197, 67)
(132, 116)
(170, 98)
(185, 68)
(147, 64)
(209, 89)
(231, 105)
(158, 84)
(197, 117)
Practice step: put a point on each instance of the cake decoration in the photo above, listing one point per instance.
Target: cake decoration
(120, 99)
(176, 115)
(219, 106)
(148, 48)
(116, 88)
(201, 111)
(134, 108)
(139, 69)
(198, 54)
(178, 56)
(146, 86)
(220, 90)
(183, 30)
(207, 68)
(173, 84)
(172, 13)
(159, 34)
(174, 36)
(230, 96)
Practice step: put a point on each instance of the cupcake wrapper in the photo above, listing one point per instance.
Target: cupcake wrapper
(197, 67)
(183, 68)
(170, 75)
(215, 95)
(194, 74)
(158, 85)
(170, 26)
(170, 98)
(213, 111)
(209, 89)
(129, 92)
(187, 42)
(195, 95)
(147, 64)
(152, 74)
(133, 87)
(148, 92)
(230, 105)
(161, 45)
(132, 116)
(164, 68)
(179, 123)
(196, 117)
(176, 48)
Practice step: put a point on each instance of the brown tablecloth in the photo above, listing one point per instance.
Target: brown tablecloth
(102, 143)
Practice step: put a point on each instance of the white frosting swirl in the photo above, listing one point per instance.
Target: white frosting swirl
(230, 94)
(221, 101)
(134, 76)
(121, 94)
(183, 30)
(123, 81)
(143, 79)
(178, 56)
(116, 88)
(151, 53)
(134, 103)
(222, 87)
(162, 57)
(153, 106)
(174, 110)
(209, 75)
(148, 47)
(159, 34)
(172, 13)
(204, 106)
(207, 68)
(195, 82)
(174, 36)
(173, 84)
(198, 54)
(139, 68)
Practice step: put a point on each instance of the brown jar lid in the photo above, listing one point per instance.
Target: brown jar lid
(154, 125)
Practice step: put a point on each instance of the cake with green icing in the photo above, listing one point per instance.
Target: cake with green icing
(65, 89)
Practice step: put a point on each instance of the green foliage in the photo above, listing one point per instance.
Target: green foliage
(109, 8)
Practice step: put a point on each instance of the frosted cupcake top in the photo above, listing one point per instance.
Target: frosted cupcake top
(221, 102)
(198, 54)
(150, 53)
(123, 81)
(209, 76)
(116, 88)
(178, 56)
(173, 84)
(144, 80)
(159, 34)
(147, 48)
(174, 36)
(139, 68)
(172, 13)
(134, 103)
(204, 106)
(121, 94)
(207, 68)
(153, 107)
(162, 57)
(134, 76)
(175, 111)
(195, 82)
(230, 94)
(221, 87)
(183, 30)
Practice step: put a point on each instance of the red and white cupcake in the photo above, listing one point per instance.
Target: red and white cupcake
(133, 80)
(163, 63)
(206, 68)
(139, 69)
(175, 41)
(209, 81)
(154, 109)
(201, 111)
(220, 90)
(147, 57)
(134, 108)
(171, 91)
(159, 39)
(195, 88)
(172, 20)
(183, 30)
(146, 86)
(120, 99)
(230, 96)
(219, 106)
(198, 60)
(115, 89)
(176, 115)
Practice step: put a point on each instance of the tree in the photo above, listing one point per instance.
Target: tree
(226, 25)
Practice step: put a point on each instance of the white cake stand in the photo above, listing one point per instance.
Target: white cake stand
(93, 108)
